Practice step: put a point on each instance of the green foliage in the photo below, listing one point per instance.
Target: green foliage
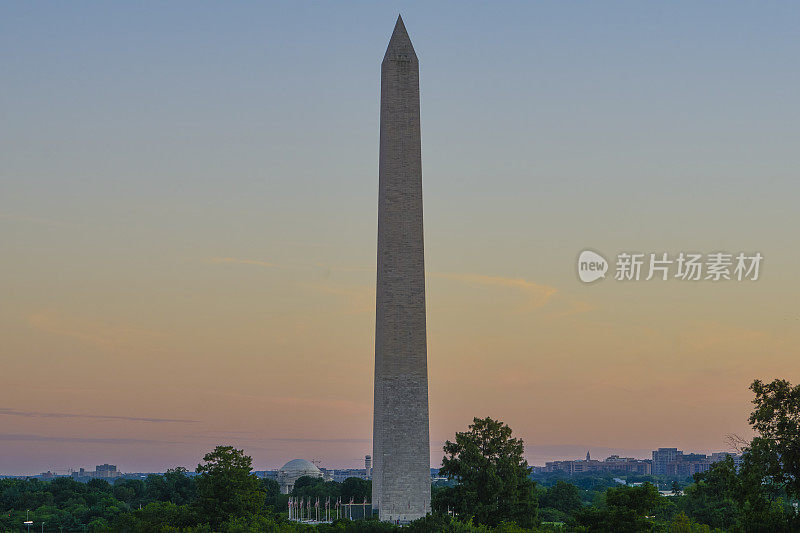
(776, 418)
(165, 503)
(715, 496)
(563, 497)
(683, 524)
(627, 509)
(593, 485)
(738, 501)
(251, 524)
(444, 523)
(227, 488)
(356, 489)
(157, 514)
(353, 488)
(493, 477)
(641, 500)
(61, 503)
(274, 499)
(312, 487)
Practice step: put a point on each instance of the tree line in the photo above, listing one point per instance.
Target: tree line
(492, 485)
(225, 495)
(490, 490)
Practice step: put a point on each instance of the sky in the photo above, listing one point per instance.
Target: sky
(188, 207)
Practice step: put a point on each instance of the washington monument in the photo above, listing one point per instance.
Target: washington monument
(401, 479)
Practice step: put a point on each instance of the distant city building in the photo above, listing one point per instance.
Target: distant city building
(672, 462)
(294, 470)
(340, 474)
(614, 463)
(268, 474)
(368, 467)
(664, 457)
(105, 471)
(721, 456)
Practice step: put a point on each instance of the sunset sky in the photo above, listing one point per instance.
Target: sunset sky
(188, 212)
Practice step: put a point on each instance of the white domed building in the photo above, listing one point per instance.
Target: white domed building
(294, 470)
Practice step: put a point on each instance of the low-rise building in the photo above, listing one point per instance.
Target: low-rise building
(672, 462)
(104, 471)
(614, 463)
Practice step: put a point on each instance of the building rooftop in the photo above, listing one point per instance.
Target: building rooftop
(299, 465)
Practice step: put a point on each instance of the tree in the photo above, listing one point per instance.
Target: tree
(98, 485)
(251, 524)
(314, 487)
(738, 501)
(181, 488)
(356, 488)
(156, 489)
(562, 496)
(274, 498)
(776, 418)
(128, 490)
(439, 523)
(227, 488)
(715, 496)
(683, 524)
(493, 479)
(626, 510)
(642, 500)
(156, 515)
(99, 524)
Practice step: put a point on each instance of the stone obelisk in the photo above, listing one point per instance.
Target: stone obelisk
(401, 483)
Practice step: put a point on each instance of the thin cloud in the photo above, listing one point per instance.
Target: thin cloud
(305, 244)
(104, 335)
(360, 299)
(269, 264)
(41, 414)
(330, 268)
(539, 295)
(322, 440)
(713, 335)
(576, 307)
(22, 437)
(333, 404)
(234, 260)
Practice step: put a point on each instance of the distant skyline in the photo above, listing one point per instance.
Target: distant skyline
(188, 220)
(536, 456)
